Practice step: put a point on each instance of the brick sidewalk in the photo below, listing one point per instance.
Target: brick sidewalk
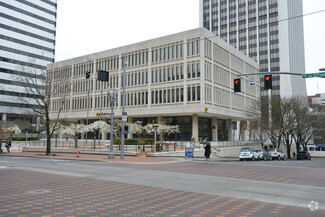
(38, 194)
(97, 157)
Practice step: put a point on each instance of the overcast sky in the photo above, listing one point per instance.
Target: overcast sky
(89, 26)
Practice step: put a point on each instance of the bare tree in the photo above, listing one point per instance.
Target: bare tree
(259, 124)
(39, 90)
(304, 119)
(288, 124)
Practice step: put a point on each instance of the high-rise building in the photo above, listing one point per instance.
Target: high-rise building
(269, 31)
(27, 42)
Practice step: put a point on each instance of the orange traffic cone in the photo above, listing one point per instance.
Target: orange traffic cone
(78, 152)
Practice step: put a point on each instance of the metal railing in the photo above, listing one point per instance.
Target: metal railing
(167, 146)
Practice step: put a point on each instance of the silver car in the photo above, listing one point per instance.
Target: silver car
(248, 154)
(261, 154)
(275, 153)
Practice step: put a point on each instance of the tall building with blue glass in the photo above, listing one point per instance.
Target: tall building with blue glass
(27, 42)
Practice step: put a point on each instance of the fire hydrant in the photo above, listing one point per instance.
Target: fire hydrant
(78, 152)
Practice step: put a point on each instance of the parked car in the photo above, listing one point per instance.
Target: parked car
(261, 154)
(303, 155)
(248, 154)
(275, 153)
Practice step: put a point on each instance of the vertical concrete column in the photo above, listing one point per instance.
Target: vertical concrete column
(230, 130)
(130, 121)
(214, 129)
(195, 126)
(242, 130)
(105, 133)
(4, 117)
(160, 120)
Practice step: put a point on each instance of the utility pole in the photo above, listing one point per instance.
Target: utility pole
(112, 97)
(88, 90)
(123, 106)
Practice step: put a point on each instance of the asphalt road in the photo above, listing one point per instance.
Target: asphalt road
(298, 184)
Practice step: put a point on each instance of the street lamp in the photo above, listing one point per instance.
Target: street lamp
(112, 98)
(155, 128)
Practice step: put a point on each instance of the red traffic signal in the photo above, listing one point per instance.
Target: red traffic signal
(87, 75)
(267, 82)
(237, 85)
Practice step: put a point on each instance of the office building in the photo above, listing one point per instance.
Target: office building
(183, 79)
(27, 42)
(268, 31)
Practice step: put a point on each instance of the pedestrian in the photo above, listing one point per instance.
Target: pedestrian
(221, 137)
(8, 146)
(294, 154)
(207, 153)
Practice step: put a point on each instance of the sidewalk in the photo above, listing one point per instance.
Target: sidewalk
(95, 157)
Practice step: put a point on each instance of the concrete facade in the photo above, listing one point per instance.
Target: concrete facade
(184, 78)
(269, 31)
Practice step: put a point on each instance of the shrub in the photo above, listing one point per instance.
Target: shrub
(24, 138)
(133, 141)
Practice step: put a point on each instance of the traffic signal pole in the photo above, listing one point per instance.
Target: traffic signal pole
(123, 107)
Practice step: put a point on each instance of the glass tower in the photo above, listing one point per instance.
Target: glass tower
(27, 41)
(268, 31)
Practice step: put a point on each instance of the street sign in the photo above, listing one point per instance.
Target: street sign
(252, 81)
(314, 75)
(103, 114)
(124, 118)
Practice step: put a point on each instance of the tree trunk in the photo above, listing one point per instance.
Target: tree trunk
(75, 141)
(144, 145)
(48, 144)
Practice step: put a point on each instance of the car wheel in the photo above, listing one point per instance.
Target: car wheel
(278, 157)
(241, 159)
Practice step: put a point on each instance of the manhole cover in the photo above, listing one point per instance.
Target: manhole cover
(39, 191)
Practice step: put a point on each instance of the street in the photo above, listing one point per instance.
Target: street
(63, 187)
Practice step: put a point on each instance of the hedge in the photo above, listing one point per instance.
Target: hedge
(24, 138)
(133, 141)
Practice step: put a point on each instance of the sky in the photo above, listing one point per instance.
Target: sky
(90, 26)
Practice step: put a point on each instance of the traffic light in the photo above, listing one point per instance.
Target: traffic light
(267, 82)
(237, 85)
(87, 75)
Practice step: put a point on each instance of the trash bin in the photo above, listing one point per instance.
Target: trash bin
(158, 147)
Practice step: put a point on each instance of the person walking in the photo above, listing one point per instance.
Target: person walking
(207, 153)
(8, 146)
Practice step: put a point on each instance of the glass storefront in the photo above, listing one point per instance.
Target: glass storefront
(222, 130)
(205, 129)
(185, 128)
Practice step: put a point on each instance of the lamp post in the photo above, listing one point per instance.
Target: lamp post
(155, 128)
(112, 98)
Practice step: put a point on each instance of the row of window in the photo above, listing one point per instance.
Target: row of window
(136, 78)
(169, 52)
(108, 64)
(168, 95)
(137, 59)
(61, 73)
(167, 73)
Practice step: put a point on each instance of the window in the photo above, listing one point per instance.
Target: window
(188, 94)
